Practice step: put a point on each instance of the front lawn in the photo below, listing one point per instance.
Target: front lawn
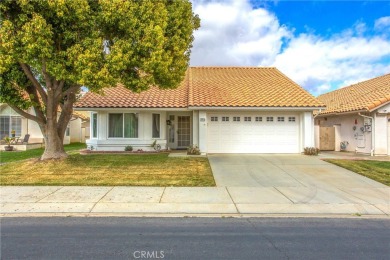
(110, 170)
(376, 170)
(13, 156)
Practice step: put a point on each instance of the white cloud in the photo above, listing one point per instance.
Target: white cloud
(313, 61)
(233, 33)
(382, 22)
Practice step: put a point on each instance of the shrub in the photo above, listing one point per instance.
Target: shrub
(129, 148)
(193, 150)
(311, 151)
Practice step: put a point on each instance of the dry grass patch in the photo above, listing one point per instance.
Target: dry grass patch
(110, 170)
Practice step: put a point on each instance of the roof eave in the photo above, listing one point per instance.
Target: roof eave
(323, 114)
(252, 108)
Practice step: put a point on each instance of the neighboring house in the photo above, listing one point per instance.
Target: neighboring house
(357, 116)
(10, 120)
(220, 109)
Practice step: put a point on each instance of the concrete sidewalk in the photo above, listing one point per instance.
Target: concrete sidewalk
(208, 201)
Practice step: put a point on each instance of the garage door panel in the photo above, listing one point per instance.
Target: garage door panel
(252, 136)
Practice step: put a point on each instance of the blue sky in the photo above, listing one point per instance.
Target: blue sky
(326, 17)
(322, 45)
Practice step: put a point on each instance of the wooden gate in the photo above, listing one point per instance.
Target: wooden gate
(327, 139)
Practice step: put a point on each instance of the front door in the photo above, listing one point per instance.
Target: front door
(183, 131)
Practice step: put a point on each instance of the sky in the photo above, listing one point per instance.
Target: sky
(321, 45)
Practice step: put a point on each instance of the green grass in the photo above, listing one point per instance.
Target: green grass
(13, 156)
(110, 170)
(376, 170)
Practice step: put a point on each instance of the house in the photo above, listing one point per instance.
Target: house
(10, 121)
(357, 118)
(220, 109)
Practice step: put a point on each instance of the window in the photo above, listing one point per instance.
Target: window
(225, 119)
(9, 123)
(259, 119)
(156, 126)
(214, 119)
(270, 119)
(236, 118)
(291, 118)
(94, 125)
(247, 119)
(123, 125)
(280, 119)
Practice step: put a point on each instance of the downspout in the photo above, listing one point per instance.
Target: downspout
(372, 133)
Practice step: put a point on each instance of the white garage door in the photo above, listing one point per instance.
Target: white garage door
(253, 133)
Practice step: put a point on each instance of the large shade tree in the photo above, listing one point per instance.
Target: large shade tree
(49, 49)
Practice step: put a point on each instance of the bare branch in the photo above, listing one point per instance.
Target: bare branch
(27, 115)
(26, 69)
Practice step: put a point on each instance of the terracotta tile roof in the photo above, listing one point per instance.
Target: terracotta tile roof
(121, 97)
(81, 115)
(363, 96)
(246, 87)
(212, 87)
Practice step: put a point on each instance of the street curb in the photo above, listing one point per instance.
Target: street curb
(166, 215)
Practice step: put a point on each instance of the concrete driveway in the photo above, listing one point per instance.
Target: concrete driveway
(297, 179)
(246, 185)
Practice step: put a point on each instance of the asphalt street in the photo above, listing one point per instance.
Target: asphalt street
(194, 238)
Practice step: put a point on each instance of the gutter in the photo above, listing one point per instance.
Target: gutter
(372, 133)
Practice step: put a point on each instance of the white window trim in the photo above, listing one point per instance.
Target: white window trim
(123, 126)
(11, 125)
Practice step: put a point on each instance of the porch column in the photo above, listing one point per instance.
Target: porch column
(203, 131)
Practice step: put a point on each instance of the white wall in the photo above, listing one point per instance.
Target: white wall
(144, 140)
(202, 131)
(307, 129)
(382, 132)
(75, 130)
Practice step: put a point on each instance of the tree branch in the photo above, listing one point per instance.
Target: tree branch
(66, 114)
(70, 90)
(27, 115)
(46, 76)
(26, 69)
(37, 108)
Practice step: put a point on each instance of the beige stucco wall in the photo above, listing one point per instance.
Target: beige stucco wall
(360, 141)
(357, 140)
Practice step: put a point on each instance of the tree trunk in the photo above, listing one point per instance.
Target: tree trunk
(54, 131)
(54, 148)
